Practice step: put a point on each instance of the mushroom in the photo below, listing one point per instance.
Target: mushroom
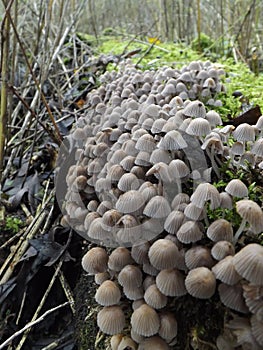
(168, 326)
(225, 271)
(145, 321)
(154, 298)
(249, 263)
(108, 294)
(111, 320)
(163, 254)
(232, 297)
(200, 283)
(171, 282)
(251, 213)
(95, 260)
(155, 343)
(220, 230)
(127, 343)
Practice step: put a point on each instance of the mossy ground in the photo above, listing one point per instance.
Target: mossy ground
(86, 330)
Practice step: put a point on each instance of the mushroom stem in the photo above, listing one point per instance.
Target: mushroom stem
(240, 230)
(179, 185)
(211, 155)
(205, 215)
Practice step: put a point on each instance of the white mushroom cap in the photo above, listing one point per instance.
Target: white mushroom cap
(200, 283)
(163, 254)
(108, 294)
(111, 320)
(145, 321)
(249, 263)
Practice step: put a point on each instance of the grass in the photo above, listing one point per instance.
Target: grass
(238, 76)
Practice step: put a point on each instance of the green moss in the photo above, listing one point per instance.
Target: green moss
(205, 43)
(12, 224)
(161, 54)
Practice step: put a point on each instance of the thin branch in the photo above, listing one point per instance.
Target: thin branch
(31, 324)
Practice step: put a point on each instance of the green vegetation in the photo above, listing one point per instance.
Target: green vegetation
(238, 76)
(12, 224)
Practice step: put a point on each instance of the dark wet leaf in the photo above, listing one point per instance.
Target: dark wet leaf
(48, 250)
(250, 117)
(31, 189)
(16, 199)
(31, 251)
(6, 289)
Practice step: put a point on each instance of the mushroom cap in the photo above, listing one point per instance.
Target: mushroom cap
(134, 292)
(95, 260)
(130, 202)
(128, 182)
(189, 232)
(136, 337)
(253, 297)
(249, 263)
(119, 258)
(232, 297)
(115, 341)
(155, 343)
(178, 169)
(192, 212)
(171, 282)
(168, 327)
(146, 143)
(195, 109)
(130, 276)
(163, 254)
(220, 230)
(127, 343)
(237, 188)
(110, 219)
(222, 249)
(158, 207)
(200, 283)
(174, 221)
(198, 127)
(225, 271)
(139, 251)
(145, 321)
(154, 298)
(101, 277)
(252, 213)
(111, 320)
(205, 192)
(256, 327)
(172, 141)
(108, 294)
(198, 256)
(244, 132)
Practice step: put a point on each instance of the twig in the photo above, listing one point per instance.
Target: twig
(35, 79)
(31, 324)
(148, 44)
(67, 291)
(5, 36)
(12, 239)
(42, 302)
(146, 52)
(20, 248)
(59, 341)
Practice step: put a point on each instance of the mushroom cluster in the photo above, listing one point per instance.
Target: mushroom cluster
(140, 187)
